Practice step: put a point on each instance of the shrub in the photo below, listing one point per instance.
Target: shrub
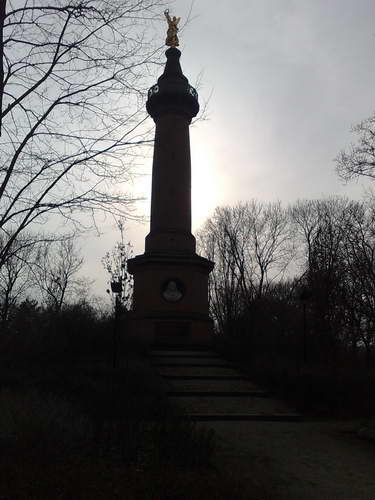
(42, 426)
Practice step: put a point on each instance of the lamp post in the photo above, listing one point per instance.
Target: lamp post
(116, 287)
(304, 297)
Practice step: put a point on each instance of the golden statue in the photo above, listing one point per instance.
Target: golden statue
(172, 38)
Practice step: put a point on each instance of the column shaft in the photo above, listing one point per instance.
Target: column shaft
(170, 228)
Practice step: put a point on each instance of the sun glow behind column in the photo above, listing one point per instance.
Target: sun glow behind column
(206, 186)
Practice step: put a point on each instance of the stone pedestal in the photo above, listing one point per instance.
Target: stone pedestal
(182, 316)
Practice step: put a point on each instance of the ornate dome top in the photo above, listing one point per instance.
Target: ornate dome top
(172, 93)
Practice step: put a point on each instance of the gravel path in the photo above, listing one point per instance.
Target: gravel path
(308, 460)
(299, 461)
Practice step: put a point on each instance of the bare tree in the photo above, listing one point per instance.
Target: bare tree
(250, 244)
(55, 273)
(16, 277)
(337, 239)
(225, 297)
(115, 263)
(72, 87)
(259, 243)
(360, 267)
(359, 160)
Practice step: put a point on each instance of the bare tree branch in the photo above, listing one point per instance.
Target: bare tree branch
(74, 80)
(359, 160)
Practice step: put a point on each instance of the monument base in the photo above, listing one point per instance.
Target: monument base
(171, 299)
(171, 331)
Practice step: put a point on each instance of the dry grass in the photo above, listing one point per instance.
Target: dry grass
(106, 481)
(83, 430)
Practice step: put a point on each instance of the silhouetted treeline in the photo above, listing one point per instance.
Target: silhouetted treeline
(42, 270)
(295, 286)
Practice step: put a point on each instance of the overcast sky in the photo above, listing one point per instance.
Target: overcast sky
(287, 79)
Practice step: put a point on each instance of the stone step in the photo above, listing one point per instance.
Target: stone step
(242, 394)
(200, 371)
(209, 388)
(214, 385)
(252, 417)
(203, 377)
(181, 346)
(184, 354)
(232, 405)
(192, 364)
(181, 360)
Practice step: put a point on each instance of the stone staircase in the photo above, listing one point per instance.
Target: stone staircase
(209, 388)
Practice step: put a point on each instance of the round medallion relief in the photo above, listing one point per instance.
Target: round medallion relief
(173, 290)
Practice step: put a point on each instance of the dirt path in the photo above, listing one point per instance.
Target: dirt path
(298, 461)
